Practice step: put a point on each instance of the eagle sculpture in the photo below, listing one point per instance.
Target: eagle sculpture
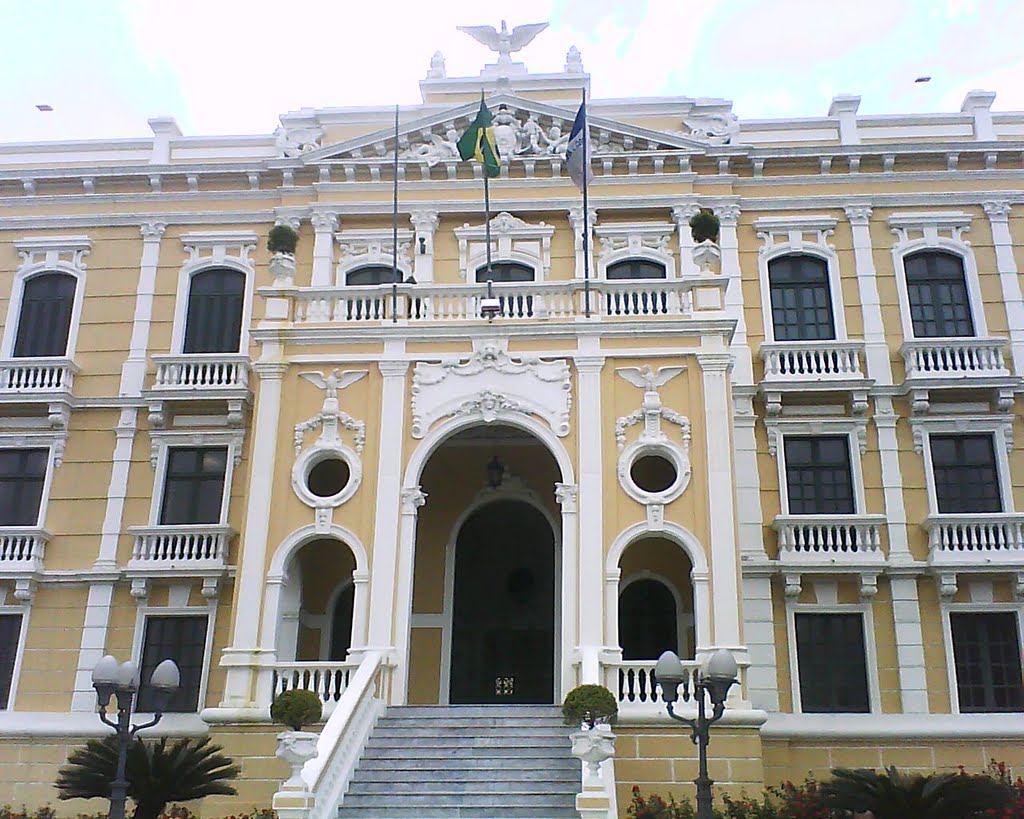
(503, 41)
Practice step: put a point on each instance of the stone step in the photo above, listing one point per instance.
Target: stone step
(496, 711)
(469, 731)
(469, 741)
(401, 751)
(386, 812)
(497, 802)
(398, 773)
(458, 721)
(400, 788)
(456, 764)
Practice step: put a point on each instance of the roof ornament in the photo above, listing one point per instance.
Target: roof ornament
(504, 41)
(437, 69)
(573, 61)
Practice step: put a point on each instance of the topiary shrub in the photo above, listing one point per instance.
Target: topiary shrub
(296, 708)
(704, 225)
(282, 239)
(590, 704)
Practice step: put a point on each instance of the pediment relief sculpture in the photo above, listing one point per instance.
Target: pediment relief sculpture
(712, 127)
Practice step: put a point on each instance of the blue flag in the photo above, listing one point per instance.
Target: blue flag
(578, 164)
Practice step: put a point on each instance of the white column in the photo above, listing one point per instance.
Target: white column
(909, 644)
(715, 361)
(681, 215)
(728, 215)
(324, 222)
(759, 634)
(876, 350)
(591, 530)
(576, 223)
(998, 214)
(424, 223)
(94, 642)
(567, 496)
(133, 372)
(245, 651)
(385, 572)
(360, 611)
(412, 499)
(892, 480)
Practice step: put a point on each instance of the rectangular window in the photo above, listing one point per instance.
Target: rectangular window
(801, 299)
(832, 665)
(966, 478)
(10, 632)
(986, 654)
(194, 487)
(22, 473)
(937, 291)
(818, 477)
(182, 639)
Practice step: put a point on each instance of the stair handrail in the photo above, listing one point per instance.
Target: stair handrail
(344, 736)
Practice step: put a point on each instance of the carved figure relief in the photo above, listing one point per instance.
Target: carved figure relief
(292, 142)
(651, 411)
(714, 128)
(331, 417)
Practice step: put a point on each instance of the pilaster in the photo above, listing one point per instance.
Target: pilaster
(133, 372)
(681, 215)
(759, 633)
(98, 606)
(412, 498)
(324, 222)
(424, 223)
(885, 420)
(998, 213)
(576, 223)
(728, 242)
(876, 350)
(909, 644)
(567, 496)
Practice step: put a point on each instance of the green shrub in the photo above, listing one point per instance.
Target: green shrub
(282, 239)
(704, 225)
(296, 708)
(592, 704)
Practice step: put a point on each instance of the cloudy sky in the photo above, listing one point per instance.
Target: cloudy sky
(231, 66)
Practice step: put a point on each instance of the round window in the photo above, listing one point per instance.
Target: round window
(653, 473)
(328, 477)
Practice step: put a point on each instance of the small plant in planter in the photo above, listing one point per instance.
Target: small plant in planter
(590, 705)
(704, 226)
(296, 708)
(282, 239)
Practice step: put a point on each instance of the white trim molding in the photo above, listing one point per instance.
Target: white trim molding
(620, 241)
(512, 240)
(358, 248)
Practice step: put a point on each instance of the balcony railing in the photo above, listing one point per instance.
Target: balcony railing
(22, 548)
(976, 539)
(829, 539)
(328, 680)
(559, 300)
(201, 372)
(634, 686)
(954, 358)
(176, 548)
(29, 376)
(797, 362)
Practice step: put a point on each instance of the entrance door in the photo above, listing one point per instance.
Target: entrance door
(503, 616)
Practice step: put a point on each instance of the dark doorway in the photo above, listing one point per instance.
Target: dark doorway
(503, 618)
(647, 620)
(341, 624)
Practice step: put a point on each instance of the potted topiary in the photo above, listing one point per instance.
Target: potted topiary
(294, 709)
(704, 227)
(281, 242)
(593, 708)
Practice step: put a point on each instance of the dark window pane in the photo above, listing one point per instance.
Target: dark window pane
(818, 479)
(22, 472)
(986, 654)
(45, 319)
(194, 488)
(214, 320)
(505, 272)
(371, 275)
(648, 622)
(182, 639)
(341, 624)
(831, 658)
(636, 269)
(966, 480)
(937, 292)
(801, 299)
(10, 631)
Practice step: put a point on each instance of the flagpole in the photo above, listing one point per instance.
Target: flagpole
(586, 214)
(394, 234)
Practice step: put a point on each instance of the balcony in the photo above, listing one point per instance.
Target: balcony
(835, 541)
(327, 679)
(813, 366)
(994, 540)
(550, 301)
(184, 550)
(635, 688)
(21, 557)
(957, 363)
(200, 377)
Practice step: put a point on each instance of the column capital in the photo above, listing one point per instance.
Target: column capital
(270, 370)
(324, 221)
(589, 363)
(997, 210)
(425, 219)
(393, 368)
(288, 217)
(858, 214)
(715, 362)
(682, 214)
(728, 214)
(412, 499)
(566, 494)
(152, 231)
(576, 217)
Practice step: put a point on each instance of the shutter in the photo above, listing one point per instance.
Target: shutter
(182, 639)
(214, 320)
(44, 322)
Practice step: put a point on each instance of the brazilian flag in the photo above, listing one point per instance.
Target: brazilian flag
(478, 142)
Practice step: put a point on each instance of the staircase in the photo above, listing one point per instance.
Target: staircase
(468, 761)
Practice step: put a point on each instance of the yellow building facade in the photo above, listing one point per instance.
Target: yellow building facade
(797, 443)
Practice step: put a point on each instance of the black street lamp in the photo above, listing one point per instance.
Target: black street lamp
(715, 678)
(111, 679)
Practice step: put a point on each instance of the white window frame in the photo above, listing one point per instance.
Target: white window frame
(870, 653)
(684, 621)
(165, 441)
(1001, 430)
(43, 441)
(799, 236)
(945, 609)
(207, 251)
(208, 611)
(25, 610)
(371, 248)
(512, 240)
(938, 231)
(650, 241)
(41, 255)
(853, 429)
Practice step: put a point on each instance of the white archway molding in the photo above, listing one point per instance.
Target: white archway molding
(699, 576)
(196, 266)
(30, 271)
(288, 547)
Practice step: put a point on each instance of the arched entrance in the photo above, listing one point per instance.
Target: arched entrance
(503, 610)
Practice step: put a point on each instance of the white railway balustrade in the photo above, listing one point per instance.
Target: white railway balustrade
(954, 358)
(22, 548)
(328, 680)
(201, 371)
(180, 546)
(813, 538)
(36, 375)
(799, 361)
(976, 539)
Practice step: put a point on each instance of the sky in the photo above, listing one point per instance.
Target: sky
(233, 66)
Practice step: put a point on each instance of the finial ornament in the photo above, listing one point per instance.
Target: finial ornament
(504, 41)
